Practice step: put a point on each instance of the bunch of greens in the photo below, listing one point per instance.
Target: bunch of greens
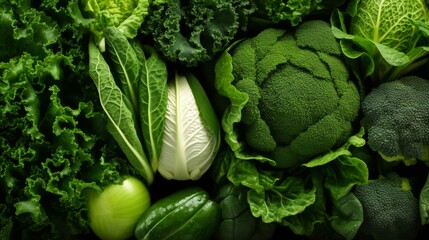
(136, 108)
(53, 141)
(162, 126)
(316, 199)
(101, 98)
(385, 40)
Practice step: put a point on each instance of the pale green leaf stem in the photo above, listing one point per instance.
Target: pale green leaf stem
(120, 119)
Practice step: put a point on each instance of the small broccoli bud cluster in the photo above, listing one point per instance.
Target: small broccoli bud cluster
(390, 212)
(396, 116)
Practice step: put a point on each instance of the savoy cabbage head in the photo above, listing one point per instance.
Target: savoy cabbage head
(388, 39)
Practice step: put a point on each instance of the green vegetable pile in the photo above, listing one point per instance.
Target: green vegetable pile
(214, 119)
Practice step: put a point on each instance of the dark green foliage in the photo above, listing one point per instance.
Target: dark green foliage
(237, 221)
(194, 31)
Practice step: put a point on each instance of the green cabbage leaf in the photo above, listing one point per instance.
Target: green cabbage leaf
(382, 39)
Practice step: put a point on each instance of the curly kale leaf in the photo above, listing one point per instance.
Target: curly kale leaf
(53, 139)
(194, 31)
(293, 10)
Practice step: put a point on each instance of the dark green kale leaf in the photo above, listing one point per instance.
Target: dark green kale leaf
(194, 31)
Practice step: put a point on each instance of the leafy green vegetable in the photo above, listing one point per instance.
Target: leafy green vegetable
(237, 221)
(120, 119)
(192, 132)
(127, 16)
(153, 94)
(182, 149)
(194, 31)
(300, 199)
(347, 216)
(383, 37)
(53, 140)
(136, 108)
(293, 11)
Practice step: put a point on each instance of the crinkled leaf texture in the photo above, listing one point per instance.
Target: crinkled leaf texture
(133, 94)
(127, 15)
(192, 132)
(294, 11)
(376, 35)
(153, 95)
(194, 31)
(300, 201)
(53, 142)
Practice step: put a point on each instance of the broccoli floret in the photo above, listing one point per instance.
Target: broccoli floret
(301, 102)
(396, 116)
(390, 209)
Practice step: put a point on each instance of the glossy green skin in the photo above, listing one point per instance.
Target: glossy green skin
(186, 214)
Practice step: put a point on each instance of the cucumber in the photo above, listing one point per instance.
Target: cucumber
(186, 214)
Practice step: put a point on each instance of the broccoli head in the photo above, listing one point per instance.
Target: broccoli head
(396, 117)
(301, 102)
(390, 209)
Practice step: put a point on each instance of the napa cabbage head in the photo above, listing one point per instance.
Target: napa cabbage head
(387, 36)
(192, 132)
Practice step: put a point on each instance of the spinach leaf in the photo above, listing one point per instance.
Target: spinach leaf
(347, 216)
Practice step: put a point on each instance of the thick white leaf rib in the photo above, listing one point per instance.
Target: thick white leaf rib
(188, 148)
